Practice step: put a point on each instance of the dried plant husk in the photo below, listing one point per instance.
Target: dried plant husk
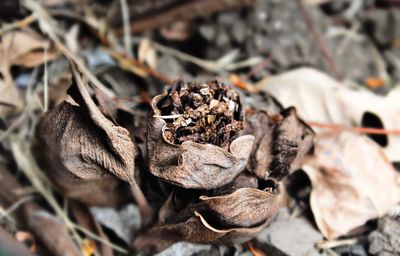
(228, 219)
(281, 142)
(84, 152)
(192, 164)
(69, 157)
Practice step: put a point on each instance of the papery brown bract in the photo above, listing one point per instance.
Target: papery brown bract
(84, 152)
(76, 158)
(229, 219)
(195, 165)
(281, 143)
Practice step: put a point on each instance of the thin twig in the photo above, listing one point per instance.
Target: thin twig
(259, 67)
(135, 66)
(127, 29)
(222, 64)
(335, 243)
(366, 130)
(168, 116)
(324, 51)
(100, 239)
(185, 10)
(18, 24)
(16, 205)
(46, 83)
(49, 26)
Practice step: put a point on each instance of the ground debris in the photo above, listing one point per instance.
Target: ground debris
(385, 240)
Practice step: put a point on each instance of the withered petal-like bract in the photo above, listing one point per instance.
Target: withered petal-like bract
(191, 164)
(280, 145)
(85, 153)
(229, 219)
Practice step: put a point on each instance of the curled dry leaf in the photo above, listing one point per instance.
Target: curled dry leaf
(232, 218)
(192, 136)
(352, 182)
(24, 48)
(84, 152)
(281, 142)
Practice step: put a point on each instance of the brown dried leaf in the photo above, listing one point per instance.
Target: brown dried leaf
(24, 48)
(233, 218)
(245, 207)
(281, 143)
(84, 152)
(352, 182)
(76, 157)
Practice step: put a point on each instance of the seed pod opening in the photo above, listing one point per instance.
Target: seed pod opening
(193, 137)
(206, 113)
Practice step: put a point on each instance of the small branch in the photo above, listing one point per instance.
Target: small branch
(127, 29)
(366, 130)
(18, 24)
(225, 63)
(168, 116)
(324, 51)
(135, 66)
(46, 83)
(185, 10)
(336, 243)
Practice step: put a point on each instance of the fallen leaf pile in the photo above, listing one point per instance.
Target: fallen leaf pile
(195, 142)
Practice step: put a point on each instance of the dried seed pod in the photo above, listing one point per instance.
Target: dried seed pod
(228, 219)
(85, 153)
(190, 149)
(281, 143)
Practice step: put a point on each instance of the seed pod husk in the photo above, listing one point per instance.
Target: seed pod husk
(192, 136)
